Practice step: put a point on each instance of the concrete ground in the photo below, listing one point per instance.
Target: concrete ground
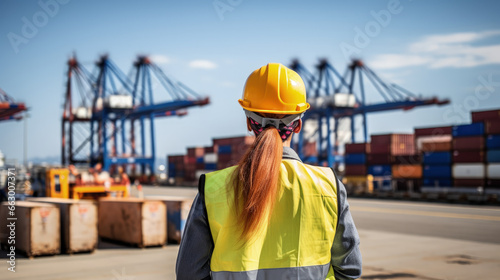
(399, 240)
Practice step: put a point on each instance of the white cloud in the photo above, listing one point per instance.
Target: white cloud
(202, 64)
(448, 50)
(160, 59)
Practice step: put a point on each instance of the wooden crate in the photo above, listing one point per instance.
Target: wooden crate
(178, 208)
(78, 223)
(133, 220)
(37, 230)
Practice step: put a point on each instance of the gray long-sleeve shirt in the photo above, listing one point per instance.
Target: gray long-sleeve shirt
(193, 260)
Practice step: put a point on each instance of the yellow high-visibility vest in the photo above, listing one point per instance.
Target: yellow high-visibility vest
(300, 231)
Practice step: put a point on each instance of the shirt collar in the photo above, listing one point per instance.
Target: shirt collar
(289, 153)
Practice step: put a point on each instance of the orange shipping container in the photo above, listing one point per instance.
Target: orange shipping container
(413, 171)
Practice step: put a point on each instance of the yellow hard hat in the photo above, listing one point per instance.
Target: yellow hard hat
(274, 89)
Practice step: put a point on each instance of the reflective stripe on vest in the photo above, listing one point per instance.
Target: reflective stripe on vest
(297, 240)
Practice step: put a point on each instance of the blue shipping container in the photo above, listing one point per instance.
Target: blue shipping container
(210, 166)
(493, 142)
(437, 158)
(472, 129)
(493, 156)
(379, 170)
(381, 184)
(225, 149)
(437, 171)
(171, 173)
(199, 160)
(434, 182)
(355, 158)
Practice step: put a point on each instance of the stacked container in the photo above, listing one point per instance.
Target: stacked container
(434, 144)
(176, 167)
(230, 150)
(491, 120)
(356, 177)
(468, 155)
(392, 157)
(355, 159)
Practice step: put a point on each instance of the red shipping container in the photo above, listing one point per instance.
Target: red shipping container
(485, 115)
(468, 156)
(209, 150)
(468, 183)
(191, 152)
(398, 144)
(355, 170)
(433, 131)
(378, 159)
(436, 146)
(357, 148)
(191, 161)
(492, 127)
(233, 140)
(468, 143)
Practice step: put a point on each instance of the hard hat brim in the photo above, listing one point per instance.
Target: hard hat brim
(273, 111)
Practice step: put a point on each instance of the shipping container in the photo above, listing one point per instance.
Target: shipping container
(226, 149)
(378, 159)
(380, 170)
(357, 148)
(469, 182)
(37, 227)
(437, 171)
(432, 131)
(493, 142)
(209, 150)
(132, 220)
(407, 171)
(396, 144)
(468, 156)
(355, 170)
(248, 140)
(480, 116)
(468, 171)
(493, 171)
(492, 127)
(78, 223)
(436, 158)
(355, 158)
(177, 211)
(473, 129)
(468, 143)
(436, 146)
(210, 158)
(211, 166)
(437, 182)
(493, 156)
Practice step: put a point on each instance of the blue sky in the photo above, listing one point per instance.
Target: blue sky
(443, 48)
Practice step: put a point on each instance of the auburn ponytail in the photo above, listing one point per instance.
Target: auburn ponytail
(255, 182)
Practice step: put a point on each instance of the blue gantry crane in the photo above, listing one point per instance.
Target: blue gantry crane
(335, 97)
(101, 125)
(9, 108)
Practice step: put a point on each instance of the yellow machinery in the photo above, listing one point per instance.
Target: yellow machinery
(358, 184)
(57, 185)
